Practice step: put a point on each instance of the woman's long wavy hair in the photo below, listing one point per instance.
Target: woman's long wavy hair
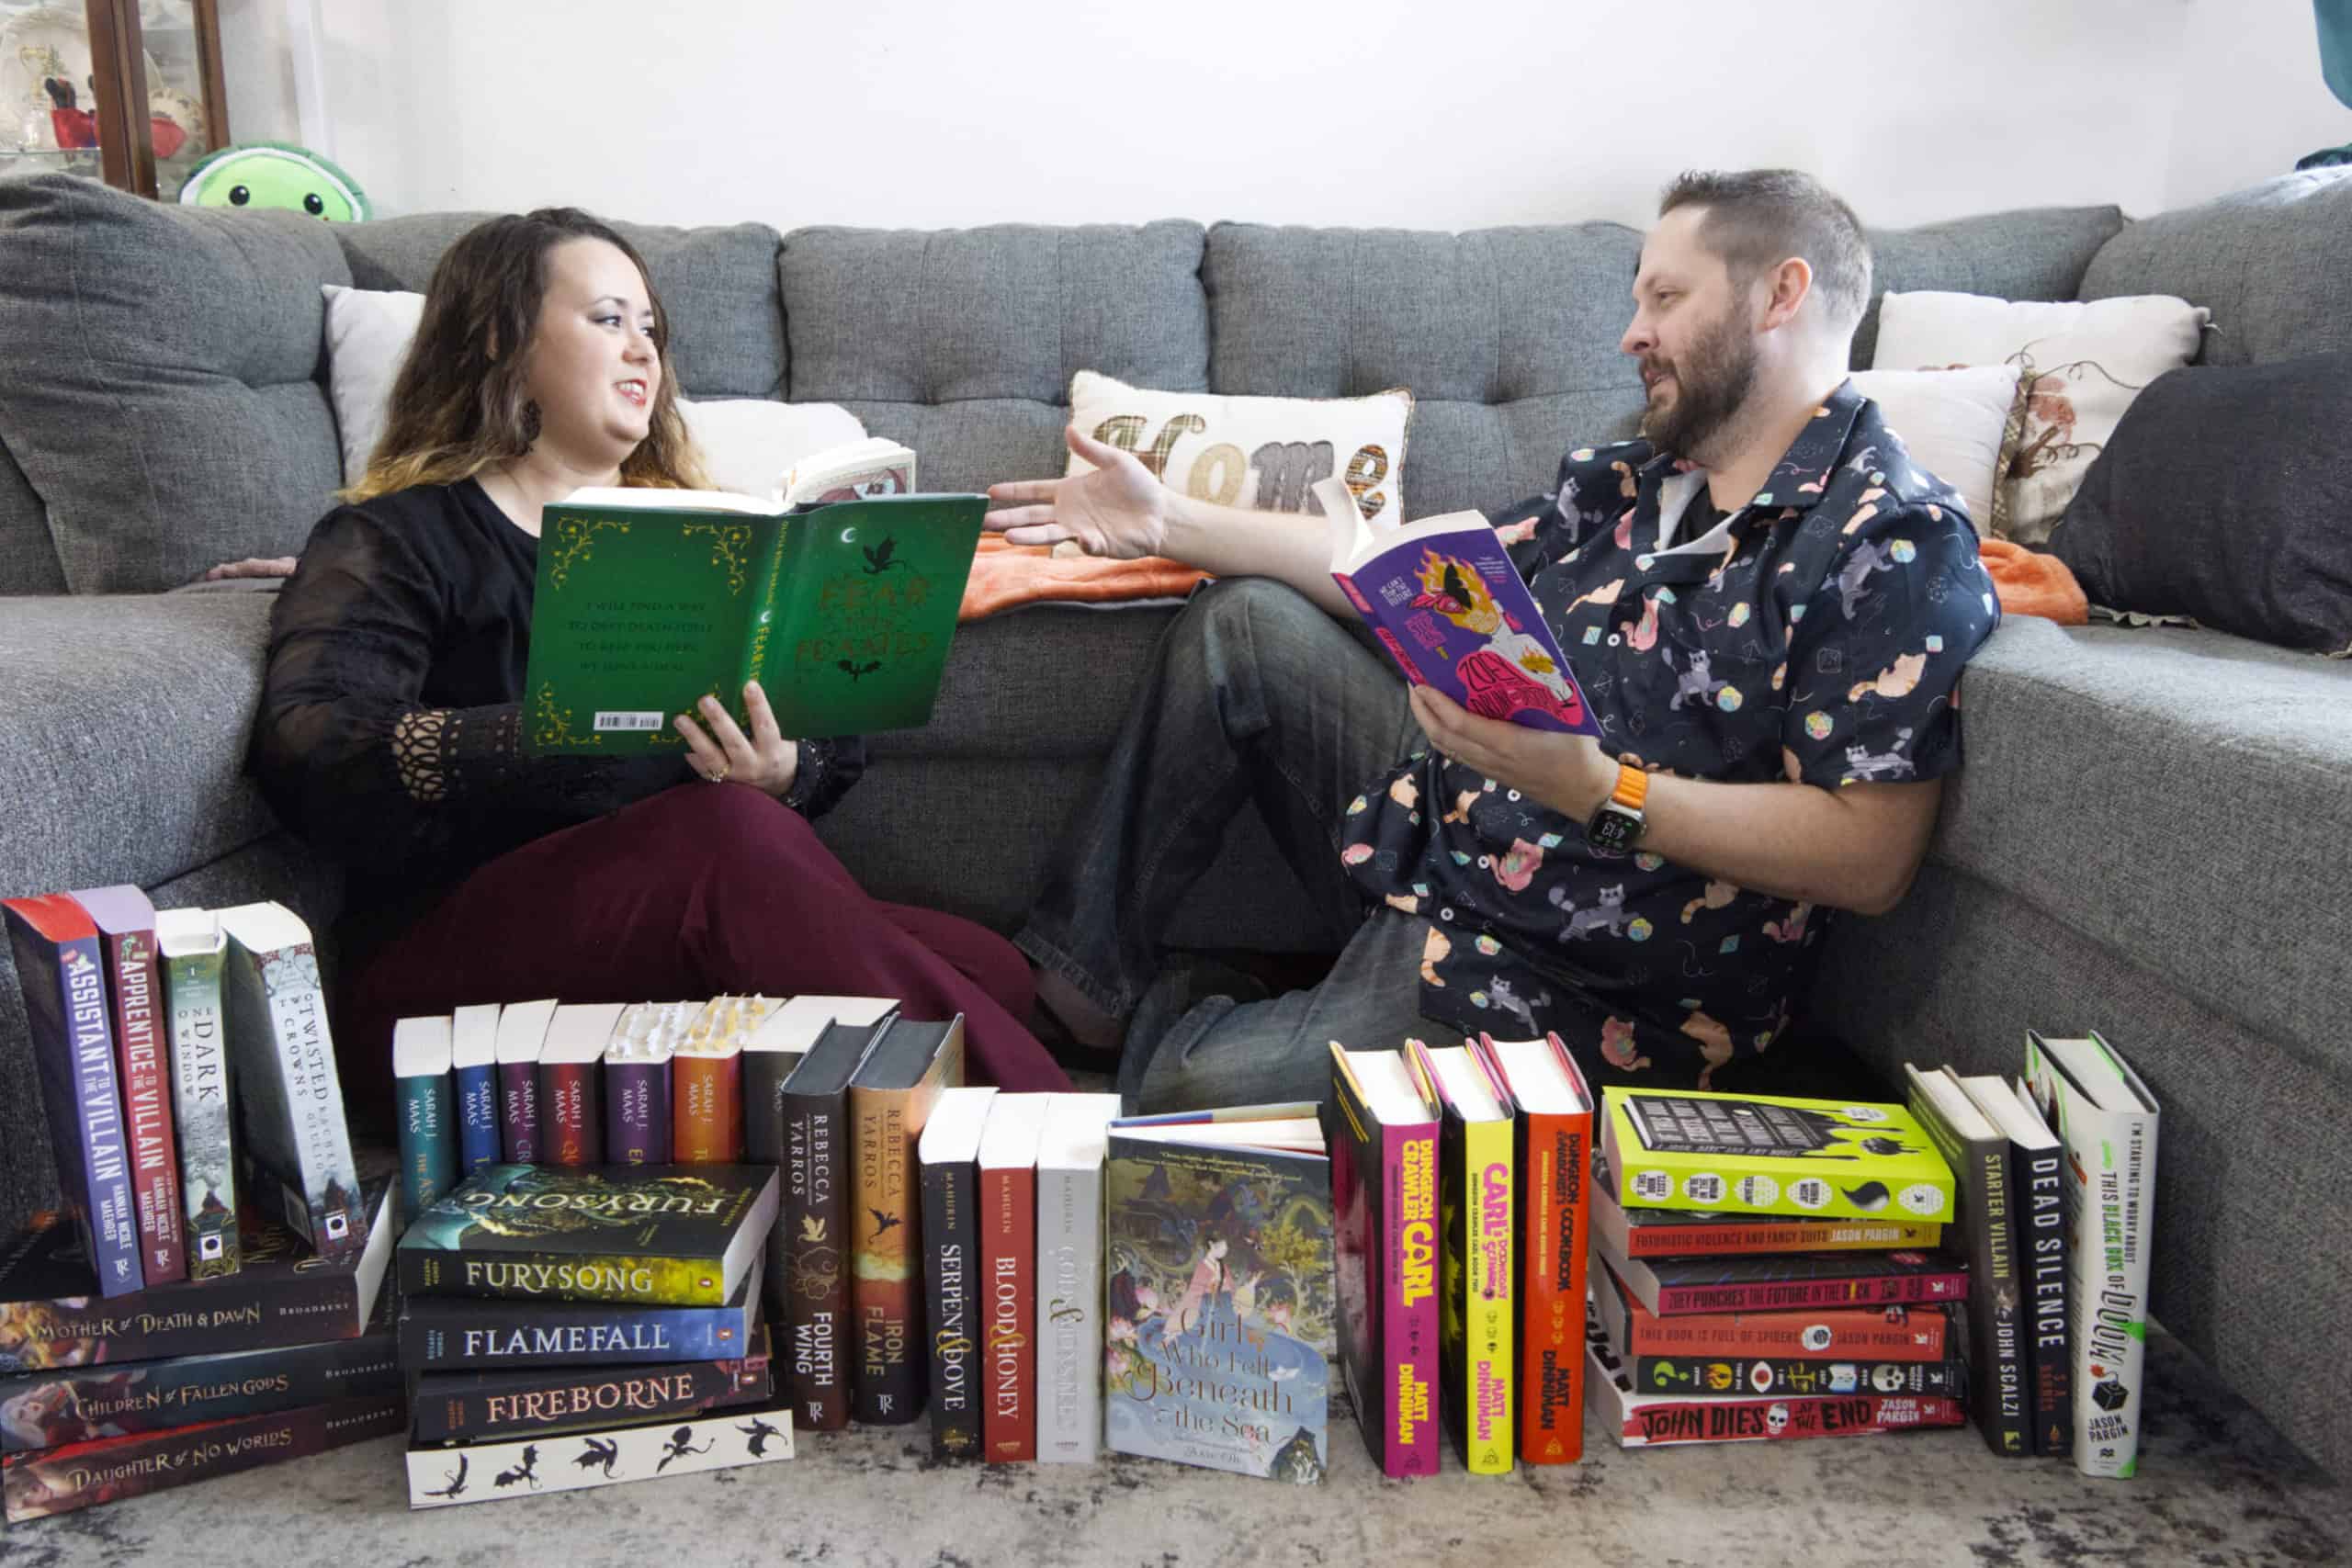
(459, 404)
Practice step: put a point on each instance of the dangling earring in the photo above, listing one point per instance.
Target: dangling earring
(530, 423)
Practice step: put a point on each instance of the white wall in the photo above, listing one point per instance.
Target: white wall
(1415, 113)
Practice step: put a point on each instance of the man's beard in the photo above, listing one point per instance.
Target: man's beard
(1711, 383)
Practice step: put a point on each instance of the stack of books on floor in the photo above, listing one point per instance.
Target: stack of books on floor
(1771, 1267)
(202, 1301)
(1459, 1185)
(572, 1326)
(2056, 1202)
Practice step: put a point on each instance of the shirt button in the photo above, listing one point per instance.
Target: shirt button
(1612, 639)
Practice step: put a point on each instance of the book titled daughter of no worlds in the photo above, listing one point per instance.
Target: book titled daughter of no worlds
(838, 594)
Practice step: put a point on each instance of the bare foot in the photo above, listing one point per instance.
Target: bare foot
(1087, 1024)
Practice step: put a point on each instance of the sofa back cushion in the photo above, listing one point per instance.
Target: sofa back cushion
(1507, 337)
(961, 343)
(2270, 262)
(157, 380)
(719, 286)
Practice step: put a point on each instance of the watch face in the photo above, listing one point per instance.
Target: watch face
(1613, 830)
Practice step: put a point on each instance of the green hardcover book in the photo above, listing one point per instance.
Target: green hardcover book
(648, 600)
(664, 1235)
(1730, 1153)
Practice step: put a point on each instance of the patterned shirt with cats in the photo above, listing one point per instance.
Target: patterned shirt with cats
(1817, 634)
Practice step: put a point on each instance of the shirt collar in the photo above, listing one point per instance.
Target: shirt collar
(1801, 476)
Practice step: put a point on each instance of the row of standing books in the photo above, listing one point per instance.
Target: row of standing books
(177, 1051)
(585, 1083)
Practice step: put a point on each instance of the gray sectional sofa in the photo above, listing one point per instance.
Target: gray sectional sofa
(2150, 836)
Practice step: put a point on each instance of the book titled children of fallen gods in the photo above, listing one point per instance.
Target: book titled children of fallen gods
(1218, 1279)
(647, 599)
(1443, 598)
(1729, 1153)
(2105, 1119)
(287, 1088)
(676, 1235)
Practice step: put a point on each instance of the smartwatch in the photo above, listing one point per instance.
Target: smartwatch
(1616, 828)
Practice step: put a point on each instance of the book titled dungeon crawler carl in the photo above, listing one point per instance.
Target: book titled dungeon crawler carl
(678, 1236)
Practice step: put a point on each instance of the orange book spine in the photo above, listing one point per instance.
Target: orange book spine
(1557, 1208)
(706, 1093)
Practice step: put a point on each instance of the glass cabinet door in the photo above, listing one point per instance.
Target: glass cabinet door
(126, 91)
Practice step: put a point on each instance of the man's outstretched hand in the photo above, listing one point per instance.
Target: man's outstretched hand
(1118, 509)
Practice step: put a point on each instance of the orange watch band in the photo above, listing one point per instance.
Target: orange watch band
(1633, 787)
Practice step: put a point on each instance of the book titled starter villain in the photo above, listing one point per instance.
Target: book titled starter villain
(676, 1235)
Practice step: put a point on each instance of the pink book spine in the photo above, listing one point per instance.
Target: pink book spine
(1408, 1315)
(147, 1105)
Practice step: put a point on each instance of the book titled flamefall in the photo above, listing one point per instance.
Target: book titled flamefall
(678, 1235)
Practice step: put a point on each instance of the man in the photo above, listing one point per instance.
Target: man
(1768, 606)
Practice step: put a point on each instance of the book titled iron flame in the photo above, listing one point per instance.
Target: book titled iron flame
(671, 1236)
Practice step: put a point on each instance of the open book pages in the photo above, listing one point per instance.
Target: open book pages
(855, 470)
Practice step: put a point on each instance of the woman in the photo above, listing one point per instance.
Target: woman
(389, 731)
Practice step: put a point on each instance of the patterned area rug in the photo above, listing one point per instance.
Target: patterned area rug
(2216, 1489)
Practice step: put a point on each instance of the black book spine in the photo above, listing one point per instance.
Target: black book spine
(815, 1288)
(85, 1403)
(462, 1407)
(951, 1234)
(1996, 1344)
(251, 1309)
(1774, 1377)
(2037, 1186)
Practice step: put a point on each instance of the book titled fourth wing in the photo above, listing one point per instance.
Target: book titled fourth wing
(1443, 598)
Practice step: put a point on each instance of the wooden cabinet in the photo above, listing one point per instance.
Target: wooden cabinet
(127, 91)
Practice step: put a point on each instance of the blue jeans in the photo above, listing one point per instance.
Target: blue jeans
(1254, 696)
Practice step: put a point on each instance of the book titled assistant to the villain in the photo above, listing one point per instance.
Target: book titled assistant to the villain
(679, 1235)
(648, 600)
(1443, 598)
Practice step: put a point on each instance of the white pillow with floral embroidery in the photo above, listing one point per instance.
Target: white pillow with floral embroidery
(2078, 367)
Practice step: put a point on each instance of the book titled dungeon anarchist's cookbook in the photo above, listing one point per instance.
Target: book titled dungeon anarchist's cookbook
(1445, 599)
(649, 600)
(679, 1235)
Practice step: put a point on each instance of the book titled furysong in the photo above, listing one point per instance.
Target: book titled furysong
(666, 1234)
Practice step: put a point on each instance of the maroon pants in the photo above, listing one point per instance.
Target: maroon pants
(702, 890)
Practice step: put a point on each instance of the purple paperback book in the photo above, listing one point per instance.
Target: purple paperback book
(1445, 599)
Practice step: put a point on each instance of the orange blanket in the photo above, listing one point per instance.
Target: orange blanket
(2033, 584)
(1006, 575)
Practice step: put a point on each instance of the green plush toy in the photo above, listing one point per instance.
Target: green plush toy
(276, 175)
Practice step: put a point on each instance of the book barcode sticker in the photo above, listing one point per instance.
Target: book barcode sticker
(1811, 1192)
(1653, 1186)
(1703, 1186)
(1757, 1191)
(614, 719)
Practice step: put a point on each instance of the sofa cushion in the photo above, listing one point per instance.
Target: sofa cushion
(1507, 337)
(2267, 261)
(29, 562)
(2180, 797)
(156, 378)
(2225, 495)
(718, 284)
(962, 343)
(140, 709)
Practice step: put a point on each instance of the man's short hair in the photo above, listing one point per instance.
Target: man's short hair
(1757, 219)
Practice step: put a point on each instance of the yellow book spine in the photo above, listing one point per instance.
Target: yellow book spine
(1489, 1193)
